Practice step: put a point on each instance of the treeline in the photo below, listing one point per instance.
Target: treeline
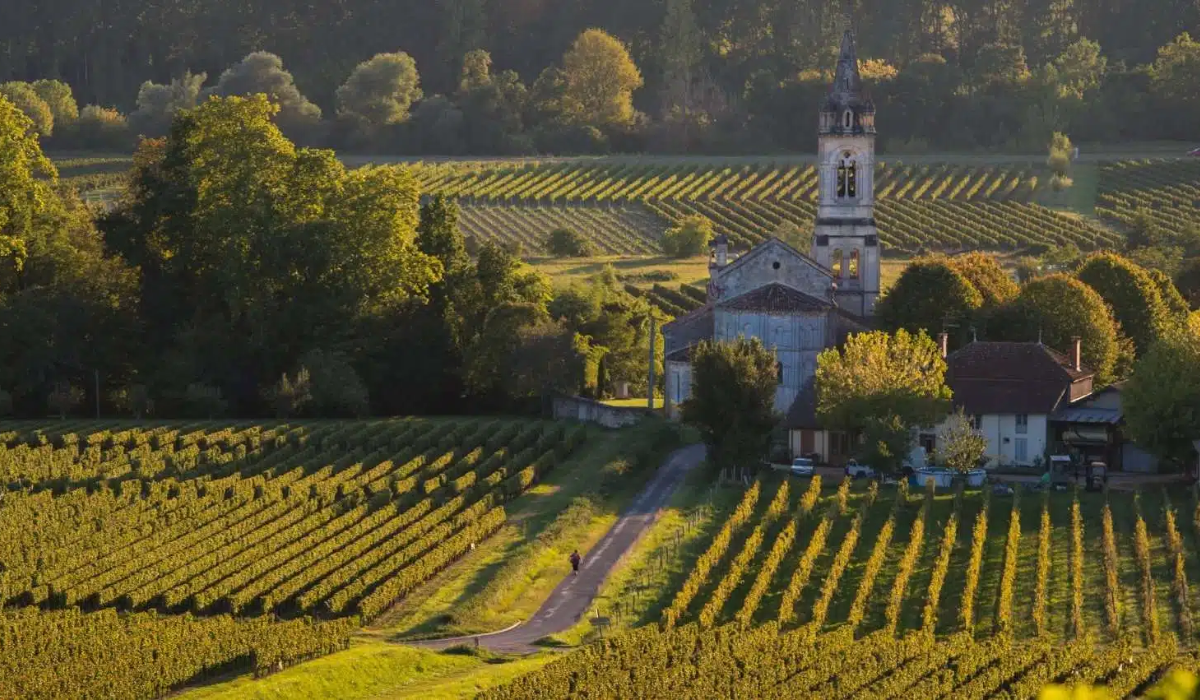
(241, 275)
(506, 77)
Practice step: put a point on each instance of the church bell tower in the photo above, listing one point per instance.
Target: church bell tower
(845, 240)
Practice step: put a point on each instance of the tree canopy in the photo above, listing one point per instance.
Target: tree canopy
(1131, 293)
(732, 402)
(1057, 308)
(599, 78)
(381, 90)
(1161, 400)
(882, 385)
(932, 294)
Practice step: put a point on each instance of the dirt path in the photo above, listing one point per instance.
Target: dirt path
(571, 599)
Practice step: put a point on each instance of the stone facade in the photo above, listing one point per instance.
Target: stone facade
(799, 304)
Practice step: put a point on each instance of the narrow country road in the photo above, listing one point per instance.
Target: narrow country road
(571, 599)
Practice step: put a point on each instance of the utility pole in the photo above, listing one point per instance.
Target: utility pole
(650, 369)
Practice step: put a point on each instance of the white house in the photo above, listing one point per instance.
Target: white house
(1011, 391)
(800, 304)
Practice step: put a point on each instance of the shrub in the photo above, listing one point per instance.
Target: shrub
(688, 238)
(566, 243)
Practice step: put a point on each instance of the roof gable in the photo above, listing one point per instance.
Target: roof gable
(776, 298)
(777, 246)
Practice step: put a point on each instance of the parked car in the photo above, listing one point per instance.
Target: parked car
(802, 466)
(854, 470)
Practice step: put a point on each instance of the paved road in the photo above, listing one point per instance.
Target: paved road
(571, 599)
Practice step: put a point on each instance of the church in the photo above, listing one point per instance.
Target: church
(800, 303)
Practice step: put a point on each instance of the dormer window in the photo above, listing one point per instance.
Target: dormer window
(848, 119)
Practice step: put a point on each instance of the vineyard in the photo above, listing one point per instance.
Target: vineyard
(1167, 190)
(205, 546)
(920, 207)
(873, 591)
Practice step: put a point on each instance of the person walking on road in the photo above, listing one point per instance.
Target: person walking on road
(575, 559)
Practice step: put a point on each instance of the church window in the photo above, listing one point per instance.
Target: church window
(853, 266)
(836, 267)
(848, 119)
(779, 372)
(847, 177)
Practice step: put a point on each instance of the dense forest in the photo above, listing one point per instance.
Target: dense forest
(522, 76)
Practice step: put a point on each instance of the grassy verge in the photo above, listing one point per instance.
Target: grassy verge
(377, 671)
(513, 572)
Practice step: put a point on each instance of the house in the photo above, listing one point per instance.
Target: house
(1011, 392)
(1094, 429)
(800, 303)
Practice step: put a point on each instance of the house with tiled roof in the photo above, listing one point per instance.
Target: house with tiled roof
(800, 303)
(1013, 393)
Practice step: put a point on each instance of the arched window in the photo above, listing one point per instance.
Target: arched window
(779, 372)
(847, 177)
(853, 266)
(836, 266)
(848, 119)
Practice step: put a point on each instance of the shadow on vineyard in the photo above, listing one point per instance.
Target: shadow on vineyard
(155, 554)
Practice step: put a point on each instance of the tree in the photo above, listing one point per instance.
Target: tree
(1059, 161)
(1177, 307)
(1132, 294)
(688, 238)
(28, 101)
(157, 104)
(882, 386)
(58, 97)
(1057, 308)
(930, 295)
(64, 398)
(1080, 68)
(733, 400)
(1187, 281)
(101, 128)
(983, 270)
(1161, 401)
(25, 194)
(568, 243)
(1000, 63)
(334, 389)
(262, 72)
(599, 78)
(961, 445)
(380, 91)
(680, 53)
(273, 251)
(289, 395)
(1173, 80)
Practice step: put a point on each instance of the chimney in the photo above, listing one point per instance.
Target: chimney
(944, 343)
(720, 246)
(1077, 352)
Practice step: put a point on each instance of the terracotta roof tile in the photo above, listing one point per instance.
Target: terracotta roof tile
(1026, 378)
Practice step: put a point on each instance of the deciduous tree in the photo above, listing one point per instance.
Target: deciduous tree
(983, 270)
(882, 386)
(688, 238)
(28, 101)
(960, 445)
(380, 90)
(1161, 401)
(931, 294)
(1131, 293)
(733, 400)
(263, 72)
(599, 78)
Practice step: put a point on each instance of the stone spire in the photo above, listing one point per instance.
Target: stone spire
(846, 81)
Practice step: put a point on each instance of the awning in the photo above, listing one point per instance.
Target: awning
(1092, 416)
(1085, 435)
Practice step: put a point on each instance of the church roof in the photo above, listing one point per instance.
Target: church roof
(776, 298)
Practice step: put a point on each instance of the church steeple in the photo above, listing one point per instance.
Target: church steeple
(847, 109)
(846, 241)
